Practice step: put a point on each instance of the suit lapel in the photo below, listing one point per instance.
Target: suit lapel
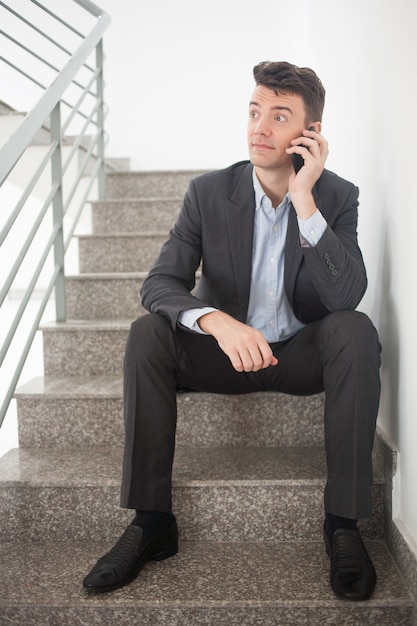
(240, 208)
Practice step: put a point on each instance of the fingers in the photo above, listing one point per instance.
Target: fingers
(252, 359)
(314, 150)
(245, 346)
(312, 143)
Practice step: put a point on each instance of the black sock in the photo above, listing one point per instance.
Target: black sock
(334, 522)
(152, 522)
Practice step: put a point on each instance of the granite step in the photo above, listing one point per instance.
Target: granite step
(119, 252)
(104, 296)
(128, 216)
(224, 493)
(206, 583)
(84, 348)
(84, 412)
(153, 184)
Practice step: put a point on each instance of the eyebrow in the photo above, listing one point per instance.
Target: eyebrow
(274, 108)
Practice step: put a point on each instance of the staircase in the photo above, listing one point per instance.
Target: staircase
(248, 482)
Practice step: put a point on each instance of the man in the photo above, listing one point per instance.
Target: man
(274, 310)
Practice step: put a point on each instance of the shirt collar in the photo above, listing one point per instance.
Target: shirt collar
(260, 195)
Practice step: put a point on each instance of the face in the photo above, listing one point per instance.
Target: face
(274, 120)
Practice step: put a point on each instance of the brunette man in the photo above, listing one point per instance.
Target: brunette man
(282, 274)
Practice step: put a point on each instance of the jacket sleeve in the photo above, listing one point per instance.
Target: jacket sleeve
(167, 288)
(335, 265)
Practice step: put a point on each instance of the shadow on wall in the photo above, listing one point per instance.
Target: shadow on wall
(389, 337)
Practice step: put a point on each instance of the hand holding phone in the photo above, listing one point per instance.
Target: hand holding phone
(297, 159)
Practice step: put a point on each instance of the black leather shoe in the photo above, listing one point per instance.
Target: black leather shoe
(122, 564)
(352, 574)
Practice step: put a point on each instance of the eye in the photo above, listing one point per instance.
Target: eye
(253, 114)
(280, 118)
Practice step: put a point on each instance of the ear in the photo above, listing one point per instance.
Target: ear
(317, 126)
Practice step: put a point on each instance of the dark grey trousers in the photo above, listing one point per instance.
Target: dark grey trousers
(339, 355)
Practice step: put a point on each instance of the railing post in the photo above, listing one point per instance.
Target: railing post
(101, 176)
(58, 215)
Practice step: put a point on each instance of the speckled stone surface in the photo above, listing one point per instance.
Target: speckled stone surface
(68, 412)
(207, 583)
(60, 422)
(165, 184)
(225, 493)
(404, 550)
(85, 348)
(264, 418)
(104, 296)
(120, 252)
(127, 216)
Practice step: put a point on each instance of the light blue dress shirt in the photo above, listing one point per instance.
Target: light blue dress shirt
(269, 310)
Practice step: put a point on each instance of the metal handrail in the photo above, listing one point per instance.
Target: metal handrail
(60, 198)
(22, 46)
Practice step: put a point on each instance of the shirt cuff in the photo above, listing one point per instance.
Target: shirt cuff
(189, 318)
(311, 229)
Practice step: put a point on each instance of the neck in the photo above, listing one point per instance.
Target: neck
(274, 183)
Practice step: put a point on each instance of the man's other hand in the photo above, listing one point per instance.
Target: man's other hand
(245, 346)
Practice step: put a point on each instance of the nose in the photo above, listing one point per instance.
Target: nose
(262, 127)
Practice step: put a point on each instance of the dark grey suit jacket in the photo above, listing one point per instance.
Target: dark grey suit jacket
(215, 227)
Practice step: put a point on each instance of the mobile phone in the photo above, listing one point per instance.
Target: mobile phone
(297, 159)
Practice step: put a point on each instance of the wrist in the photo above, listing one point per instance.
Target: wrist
(304, 205)
(209, 321)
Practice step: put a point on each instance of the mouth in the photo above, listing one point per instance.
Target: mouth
(261, 146)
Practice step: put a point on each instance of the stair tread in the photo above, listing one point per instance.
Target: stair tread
(203, 574)
(143, 234)
(222, 465)
(137, 202)
(106, 276)
(73, 387)
(188, 173)
(88, 325)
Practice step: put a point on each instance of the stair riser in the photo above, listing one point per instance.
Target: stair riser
(134, 216)
(103, 298)
(290, 511)
(119, 254)
(84, 352)
(260, 419)
(149, 184)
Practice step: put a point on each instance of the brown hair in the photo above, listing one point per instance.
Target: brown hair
(288, 78)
